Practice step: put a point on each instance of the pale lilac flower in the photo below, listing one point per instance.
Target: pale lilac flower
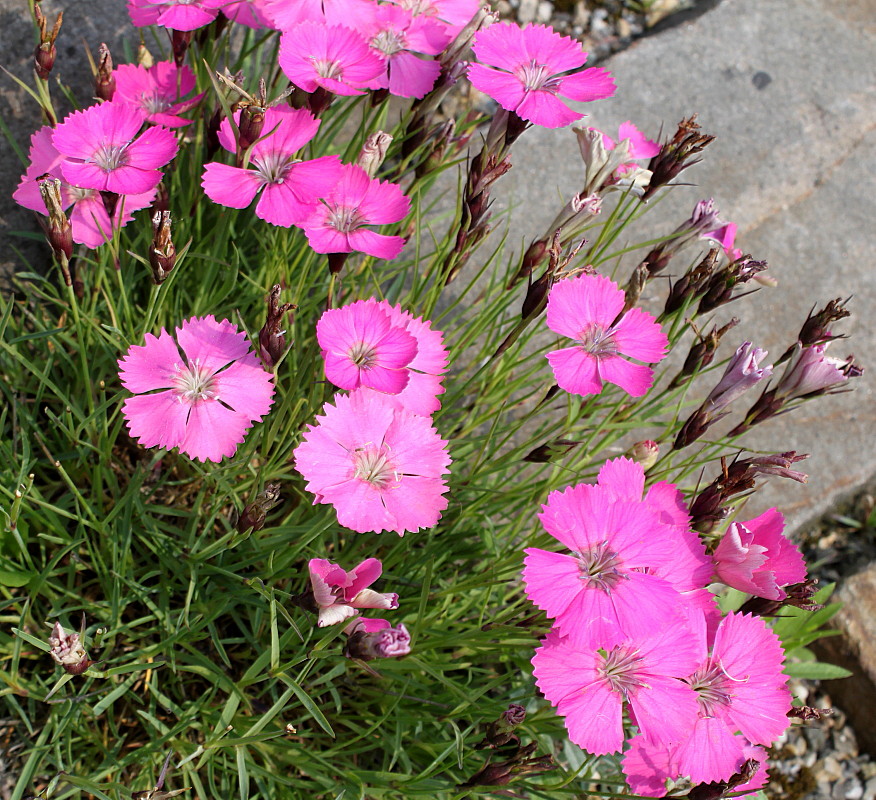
(339, 594)
(157, 91)
(178, 15)
(742, 372)
(202, 401)
(400, 39)
(290, 188)
(332, 57)
(585, 308)
(337, 224)
(528, 68)
(755, 557)
(102, 149)
(809, 371)
(376, 638)
(68, 651)
(590, 687)
(89, 220)
(379, 467)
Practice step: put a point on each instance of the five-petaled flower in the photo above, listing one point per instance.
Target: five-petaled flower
(339, 594)
(157, 91)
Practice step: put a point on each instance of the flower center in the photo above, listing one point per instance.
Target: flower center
(373, 465)
(599, 567)
(710, 684)
(194, 383)
(535, 76)
(78, 193)
(344, 218)
(389, 42)
(154, 103)
(110, 156)
(619, 669)
(363, 355)
(598, 341)
(333, 70)
(273, 167)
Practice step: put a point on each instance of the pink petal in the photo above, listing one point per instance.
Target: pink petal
(156, 420)
(575, 303)
(590, 84)
(212, 344)
(505, 89)
(666, 710)
(364, 575)
(593, 720)
(229, 186)
(279, 205)
(634, 379)
(91, 224)
(558, 53)
(150, 366)
(246, 387)
(410, 76)
(154, 148)
(575, 370)
(186, 17)
(213, 432)
(375, 244)
(623, 477)
(640, 145)
(552, 580)
(711, 752)
(502, 45)
(639, 336)
(546, 109)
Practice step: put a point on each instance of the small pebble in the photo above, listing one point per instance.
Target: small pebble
(545, 11)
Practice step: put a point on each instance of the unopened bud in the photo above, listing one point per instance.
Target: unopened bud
(180, 41)
(272, 339)
(104, 81)
(372, 638)
(59, 232)
(45, 52)
(374, 152)
(644, 453)
(500, 732)
(252, 121)
(255, 513)
(144, 57)
(68, 651)
(550, 451)
(162, 253)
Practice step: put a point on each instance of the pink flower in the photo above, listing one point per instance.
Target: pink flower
(532, 66)
(90, 222)
(252, 13)
(339, 594)
(103, 151)
(157, 92)
(425, 371)
(755, 557)
(210, 395)
(809, 370)
(379, 467)
(454, 12)
(742, 694)
(610, 586)
(725, 235)
(285, 14)
(589, 687)
(362, 347)
(398, 38)
(639, 145)
(290, 188)
(337, 225)
(376, 638)
(742, 372)
(585, 308)
(333, 57)
(178, 15)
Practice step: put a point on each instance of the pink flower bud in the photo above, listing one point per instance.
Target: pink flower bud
(370, 639)
(374, 152)
(67, 650)
(644, 453)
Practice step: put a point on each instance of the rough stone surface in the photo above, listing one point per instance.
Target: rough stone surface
(794, 164)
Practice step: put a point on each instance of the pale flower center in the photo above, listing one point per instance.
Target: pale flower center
(619, 669)
(373, 465)
(598, 341)
(535, 76)
(273, 167)
(599, 567)
(344, 218)
(710, 682)
(363, 355)
(194, 383)
(78, 193)
(389, 42)
(154, 103)
(111, 156)
(333, 70)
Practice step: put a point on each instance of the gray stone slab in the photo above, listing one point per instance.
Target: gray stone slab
(788, 90)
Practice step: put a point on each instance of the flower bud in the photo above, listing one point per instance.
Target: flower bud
(104, 81)
(45, 52)
(254, 514)
(376, 638)
(521, 763)
(644, 453)
(500, 732)
(59, 231)
(816, 329)
(272, 340)
(799, 595)
(374, 152)
(702, 353)
(454, 52)
(677, 154)
(252, 121)
(144, 57)
(68, 651)
(162, 253)
(743, 371)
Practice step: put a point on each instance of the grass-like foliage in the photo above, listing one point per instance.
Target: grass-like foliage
(196, 624)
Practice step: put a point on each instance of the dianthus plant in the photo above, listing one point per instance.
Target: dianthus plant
(317, 485)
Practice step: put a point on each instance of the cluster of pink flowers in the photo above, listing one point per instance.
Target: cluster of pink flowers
(636, 628)
(339, 595)
(374, 454)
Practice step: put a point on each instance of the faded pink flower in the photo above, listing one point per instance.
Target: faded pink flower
(102, 149)
(379, 467)
(202, 401)
(611, 585)
(339, 594)
(590, 687)
(337, 224)
(290, 188)
(755, 557)
(585, 308)
(400, 39)
(725, 235)
(157, 92)
(361, 347)
(333, 57)
(529, 68)
(809, 371)
(68, 651)
(89, 220)
(376, 638)
(178, 15)
(742, 372)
